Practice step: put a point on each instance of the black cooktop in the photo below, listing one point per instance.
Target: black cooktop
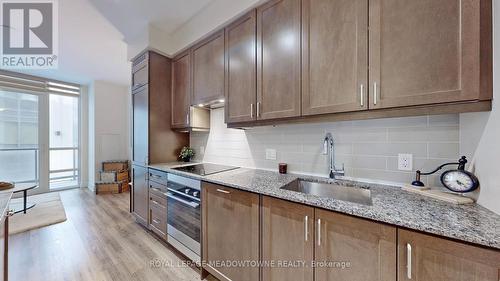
(205, 169)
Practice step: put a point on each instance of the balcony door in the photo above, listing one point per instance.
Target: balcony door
(19, 138)
(39, 133)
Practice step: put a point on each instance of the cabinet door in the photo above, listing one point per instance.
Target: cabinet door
(241, 51)
(278, 59)
(230, 232)
(334, 56)
(424, 257)
(140, 71)
(287, 235)
(208, 70)
(424, 52)
(140, 104)
(140, 194)
(349, 248)
(181, 90)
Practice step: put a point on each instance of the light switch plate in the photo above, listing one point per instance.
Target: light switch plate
(270, 154)
(405, 162)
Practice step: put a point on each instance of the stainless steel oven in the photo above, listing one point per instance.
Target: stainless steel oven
(184, 215)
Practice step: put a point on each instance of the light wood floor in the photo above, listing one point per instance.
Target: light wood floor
(99, 241)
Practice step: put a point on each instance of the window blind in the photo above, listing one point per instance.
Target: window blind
(16, 81)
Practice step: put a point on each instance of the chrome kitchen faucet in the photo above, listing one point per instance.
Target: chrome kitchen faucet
(329, 148)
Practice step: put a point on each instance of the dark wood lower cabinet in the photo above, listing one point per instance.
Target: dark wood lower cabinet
(303, 243)
(230, 230)
(424, 257)
(140, 194)
(349, 248)
(287, 235)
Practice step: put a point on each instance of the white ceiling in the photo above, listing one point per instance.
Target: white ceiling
(131, 17)
(90, 48)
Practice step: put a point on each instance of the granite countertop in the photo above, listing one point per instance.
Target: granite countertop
(470, 223)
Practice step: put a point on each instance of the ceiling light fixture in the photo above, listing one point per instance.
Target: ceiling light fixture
(200, 105)
(221, 100)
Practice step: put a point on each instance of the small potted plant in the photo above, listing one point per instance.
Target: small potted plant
(187, 153)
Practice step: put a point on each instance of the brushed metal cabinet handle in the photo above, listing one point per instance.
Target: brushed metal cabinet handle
(306, 226)
(223, 191)
(187, 119)
(258, 109)
(251, 110)
(408, 260)
(319, 232)
(375, 94)
(361, 92)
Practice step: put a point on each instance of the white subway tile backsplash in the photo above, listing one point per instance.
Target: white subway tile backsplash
(444, 150)
(368, 148)
(444, 120)
(424, 134)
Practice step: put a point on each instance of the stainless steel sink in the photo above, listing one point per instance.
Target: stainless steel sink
(331, 190)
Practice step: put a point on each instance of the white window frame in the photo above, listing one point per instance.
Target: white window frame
(43, 88)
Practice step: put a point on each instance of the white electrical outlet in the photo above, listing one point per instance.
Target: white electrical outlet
(405, 162)
(270, 154)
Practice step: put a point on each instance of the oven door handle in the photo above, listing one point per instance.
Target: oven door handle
(173, 191)
(190, 204)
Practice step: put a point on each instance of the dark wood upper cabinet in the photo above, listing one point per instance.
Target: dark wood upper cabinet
(208, 70)
(278, 59)
(181, 90)
(241, 54)
(153, 139)
(140, 71)
(334, 56)
(429, 52)
(424, 257)
(287, 235)
(230, 230)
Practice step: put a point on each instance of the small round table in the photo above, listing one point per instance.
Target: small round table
(23, 187)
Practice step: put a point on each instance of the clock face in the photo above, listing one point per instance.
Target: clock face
(459, 181)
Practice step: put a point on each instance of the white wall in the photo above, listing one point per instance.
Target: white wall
(109, 115)
(90, 48)
(368, 148)
(487, 153)
(211, 17)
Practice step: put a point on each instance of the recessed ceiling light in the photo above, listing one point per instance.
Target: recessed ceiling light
(200, 105)
(3, 109)
(221, 100)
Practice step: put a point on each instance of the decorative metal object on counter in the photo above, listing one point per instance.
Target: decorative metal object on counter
(458, 180)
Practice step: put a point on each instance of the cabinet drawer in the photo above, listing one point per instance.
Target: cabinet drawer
(159, 222)
(158, 189)
(157, 201)
(158, 176)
